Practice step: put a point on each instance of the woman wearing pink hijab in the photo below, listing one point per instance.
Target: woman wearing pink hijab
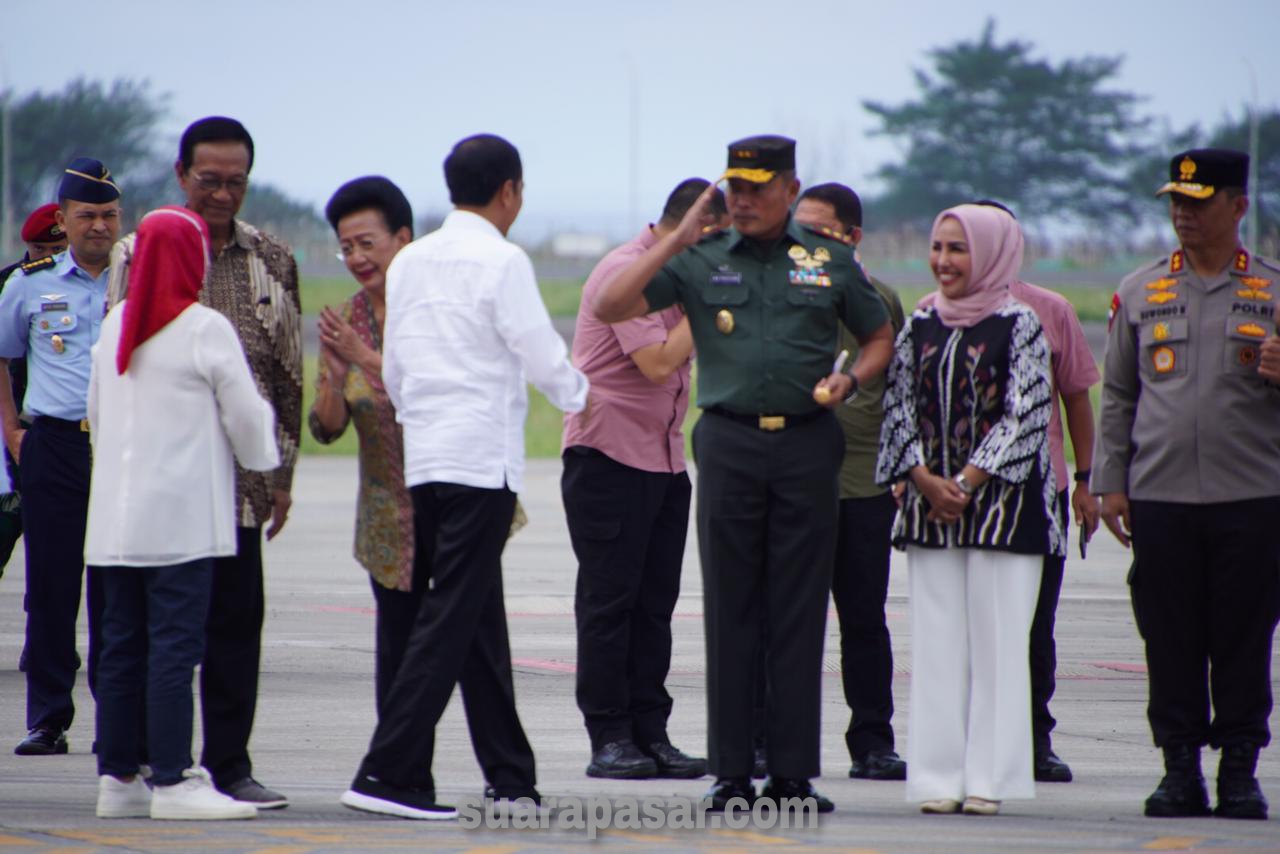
(171, 407)
(966, 417)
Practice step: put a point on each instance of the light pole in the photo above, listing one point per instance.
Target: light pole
(1251, 216)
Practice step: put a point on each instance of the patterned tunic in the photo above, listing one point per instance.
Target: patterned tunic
(978, 396)
(254, 283)
(384, 511)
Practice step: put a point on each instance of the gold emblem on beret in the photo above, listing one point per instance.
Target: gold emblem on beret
(1163, 360)
(724, 321)
(1161, 331)
(59, 346)
(1187, 169)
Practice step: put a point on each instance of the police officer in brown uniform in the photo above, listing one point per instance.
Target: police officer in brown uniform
(763, 298)
(1188, 465)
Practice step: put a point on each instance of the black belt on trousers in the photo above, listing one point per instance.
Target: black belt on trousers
(768, 423)
(62, 425)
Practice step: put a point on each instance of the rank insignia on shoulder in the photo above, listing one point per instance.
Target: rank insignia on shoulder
(1161, 297)
(39, 264)
(831, 233)
(1161, 284)
(1242, 260)
(1175, 262)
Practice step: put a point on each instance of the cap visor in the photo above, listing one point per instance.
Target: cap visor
(1195, 191)
(755, 176)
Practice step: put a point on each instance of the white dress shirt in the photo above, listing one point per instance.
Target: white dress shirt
(163, 485)
(465, 330)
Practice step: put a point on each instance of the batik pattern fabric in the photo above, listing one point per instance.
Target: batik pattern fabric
(979, 395)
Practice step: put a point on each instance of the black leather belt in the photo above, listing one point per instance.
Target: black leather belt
(62, 425)
(768, 423)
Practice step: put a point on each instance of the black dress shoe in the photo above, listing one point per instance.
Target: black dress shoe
(42, 741)
(779, 789)
(879, 765)
(760, 764)
(1050, 769)
(1239, 795)
(1181, 793)
(673, 763)
(728, 788)
(621, 760)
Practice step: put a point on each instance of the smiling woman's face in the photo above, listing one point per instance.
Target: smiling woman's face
(949, 258)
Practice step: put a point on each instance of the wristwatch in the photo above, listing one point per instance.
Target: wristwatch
(1082, 476)
(963, 482)
(853, 390)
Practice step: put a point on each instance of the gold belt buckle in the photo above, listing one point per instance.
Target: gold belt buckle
(84, 425)
(773, 422)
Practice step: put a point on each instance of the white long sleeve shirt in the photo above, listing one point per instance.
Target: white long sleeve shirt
(465, 331)
(163, 487)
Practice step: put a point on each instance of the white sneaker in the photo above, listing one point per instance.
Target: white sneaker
(196, 799)
(117, 799)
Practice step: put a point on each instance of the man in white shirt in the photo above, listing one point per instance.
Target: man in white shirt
(465, 331)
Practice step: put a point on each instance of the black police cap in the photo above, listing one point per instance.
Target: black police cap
(758, 158)
(1201, 172)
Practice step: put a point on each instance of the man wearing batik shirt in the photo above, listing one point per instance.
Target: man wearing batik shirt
(254, 282)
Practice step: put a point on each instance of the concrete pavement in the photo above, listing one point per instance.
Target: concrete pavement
(315, 716)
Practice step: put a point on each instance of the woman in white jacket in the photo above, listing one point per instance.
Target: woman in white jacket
(172, 405)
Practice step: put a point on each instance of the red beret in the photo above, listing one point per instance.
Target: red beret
(42, 227)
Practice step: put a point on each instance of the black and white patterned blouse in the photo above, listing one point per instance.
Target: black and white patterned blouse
(979, 396)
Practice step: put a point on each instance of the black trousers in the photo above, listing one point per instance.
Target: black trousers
(233, 650)
(395, 612)
(628, 529)
(1206, 594)
(1044, 649)
(459, 637)
(859, 587)
(767, 508)
(55, 504)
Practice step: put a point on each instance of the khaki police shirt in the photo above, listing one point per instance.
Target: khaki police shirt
(862, 416)
(1185, 416)
(765, 319)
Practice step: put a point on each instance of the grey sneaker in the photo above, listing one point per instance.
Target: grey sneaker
(250, 791)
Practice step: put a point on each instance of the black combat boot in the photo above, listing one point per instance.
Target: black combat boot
(1239, 795)
(1182, 791)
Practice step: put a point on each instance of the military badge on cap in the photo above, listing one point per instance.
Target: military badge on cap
(42, 226)
(758, 158)
(1200, 172)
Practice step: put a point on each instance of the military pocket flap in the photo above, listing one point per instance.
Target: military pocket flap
(1249, 327)
(722, 293)
(54, 322)
(1161, 331)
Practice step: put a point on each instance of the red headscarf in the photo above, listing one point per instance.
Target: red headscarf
(169, 263)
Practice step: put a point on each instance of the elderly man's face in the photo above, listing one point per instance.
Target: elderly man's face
(217, 181)
(760, 210)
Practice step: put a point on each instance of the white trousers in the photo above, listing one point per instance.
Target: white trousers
(970, 726)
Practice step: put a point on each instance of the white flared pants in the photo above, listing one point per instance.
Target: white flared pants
(970, 726)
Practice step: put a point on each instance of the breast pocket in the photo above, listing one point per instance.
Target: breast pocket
(52, 329)
(722, 295)
(1164, 346)
(811, 297)
(1245, 334)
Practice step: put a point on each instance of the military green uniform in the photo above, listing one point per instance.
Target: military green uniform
(1191, 433)
(765, 322)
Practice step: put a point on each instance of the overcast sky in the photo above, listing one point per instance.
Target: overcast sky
(332, 90)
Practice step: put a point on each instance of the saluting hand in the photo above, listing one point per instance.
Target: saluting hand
(690, 229)
(1115, 515)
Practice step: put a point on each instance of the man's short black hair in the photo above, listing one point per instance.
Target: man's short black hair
(992, 203)
(212, 129)
(683, 197)
(372, 192)
(843, 200)
(478, 166)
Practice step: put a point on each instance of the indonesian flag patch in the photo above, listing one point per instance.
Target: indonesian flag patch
(1111, 312)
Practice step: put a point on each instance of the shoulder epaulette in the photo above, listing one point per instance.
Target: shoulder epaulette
(830, 234)
(38, 264)
(1270, 263)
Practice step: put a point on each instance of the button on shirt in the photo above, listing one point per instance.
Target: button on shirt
(784, 300)
(53, 317)
(629, 418)
(465, 329)
(1185, 416)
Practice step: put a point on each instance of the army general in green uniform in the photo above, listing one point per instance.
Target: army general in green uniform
(764, 299)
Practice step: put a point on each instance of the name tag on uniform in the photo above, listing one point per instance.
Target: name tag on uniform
(53, 306)
(726, 277)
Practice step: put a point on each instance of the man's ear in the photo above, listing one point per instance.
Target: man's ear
(855, 234)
